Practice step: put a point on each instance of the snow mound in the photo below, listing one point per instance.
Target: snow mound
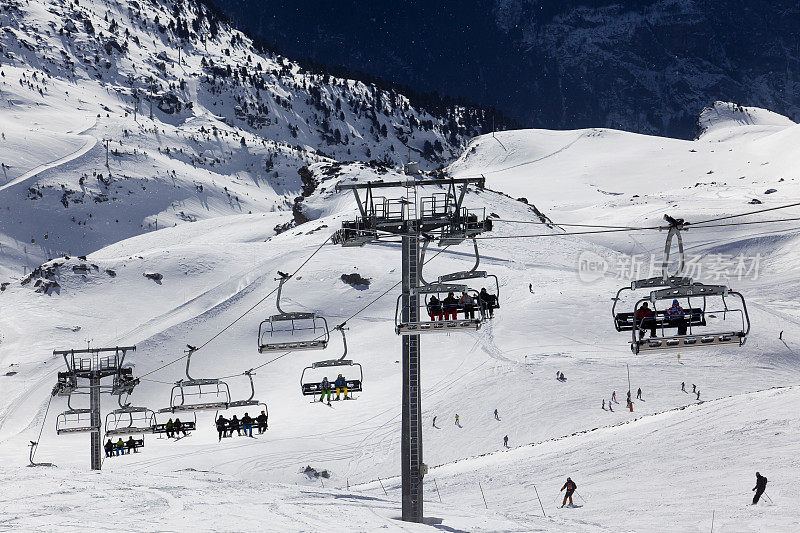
(728, 121)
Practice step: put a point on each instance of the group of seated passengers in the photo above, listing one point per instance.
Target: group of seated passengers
(674, 317)
(448, 308)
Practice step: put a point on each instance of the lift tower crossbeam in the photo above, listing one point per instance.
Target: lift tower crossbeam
(440, 217)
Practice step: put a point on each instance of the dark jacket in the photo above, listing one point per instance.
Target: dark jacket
(247, 420)
(340, 382)
(262, 419)
(570, 486)
(221, 422)
(450, 303)
(761, 482)
(326, 385)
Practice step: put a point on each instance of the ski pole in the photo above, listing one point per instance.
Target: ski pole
(581, 497)
(767, 496)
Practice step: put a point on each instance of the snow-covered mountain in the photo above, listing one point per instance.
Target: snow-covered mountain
(119, 118)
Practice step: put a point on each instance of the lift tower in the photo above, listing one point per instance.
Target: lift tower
(93, 368)
(439, 217)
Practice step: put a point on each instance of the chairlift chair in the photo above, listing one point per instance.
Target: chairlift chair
(129, 420)
(296, 330)
(472, 273)
(75, 420)
(675, 286)
(186, 394)
(694, 317)
(311, 388)
(424, 324)
(160, 428)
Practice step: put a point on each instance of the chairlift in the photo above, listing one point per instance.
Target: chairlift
(187, 426)
(188, 394)
(129, 420)
(473, 273)
(674, 286)
(311, 388)
(292, 331)
(76, 420)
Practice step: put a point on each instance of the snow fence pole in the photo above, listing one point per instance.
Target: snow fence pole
(384, 488)
(437, 489)
(540, 500)
(482, 494)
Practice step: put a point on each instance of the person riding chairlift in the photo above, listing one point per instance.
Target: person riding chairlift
(488, 301)
(676, 317)
(645, 319)
(435, 308)
(467, 304)
(450, 305)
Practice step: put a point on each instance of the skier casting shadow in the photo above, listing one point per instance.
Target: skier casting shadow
(761, 486)
(570, 486)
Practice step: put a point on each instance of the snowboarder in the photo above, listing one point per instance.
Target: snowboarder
(496, 416)
(683, 386)
(262, 422)
(570, 486)
(222, 423)
(614, 396)
(505, 441)
(109, 447)
(341, 385)
(458, 423)
(325, 386)
(247, 425)
(639, 394)
(761, 485)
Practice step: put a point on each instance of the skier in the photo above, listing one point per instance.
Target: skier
(693, 388)
(179, 428)
(467, 303)
(505, 441)
(221, 425)
(262, 422)
(247, 425)
(457, 421)
(130, 444)
(646, 320)
(234, 425)
(109, 447)
(434, 421)
(614, 396)
(496, 417)
(570, 486)
(488, 301)
(683, 386)
(698, 394)
(604, 404)
(639, 394)
(120, 447)
(450, 306)
(341, 385)
(609, 406)
(761, 485)
(435, 308)
(675, 317)
(530, 287)
(325, 386)
(168, 427)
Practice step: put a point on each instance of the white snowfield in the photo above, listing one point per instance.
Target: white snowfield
(673, 464)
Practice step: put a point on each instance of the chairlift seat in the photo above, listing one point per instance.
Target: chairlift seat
(162, 428)
(688, 341)
(208, 406)
(130, 430)
(694, 317)
(80, 429)
(309, 389)
(318, 344)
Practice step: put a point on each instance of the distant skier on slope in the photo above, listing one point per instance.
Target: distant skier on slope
(496, 416)
(609, 406)
(458, 423)
(614, 396)
(505, 441)
(698, 394)
(570, 486)
(639, 394)
(434, 421)
(604, 404)
(761, 486)
(683, 386)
